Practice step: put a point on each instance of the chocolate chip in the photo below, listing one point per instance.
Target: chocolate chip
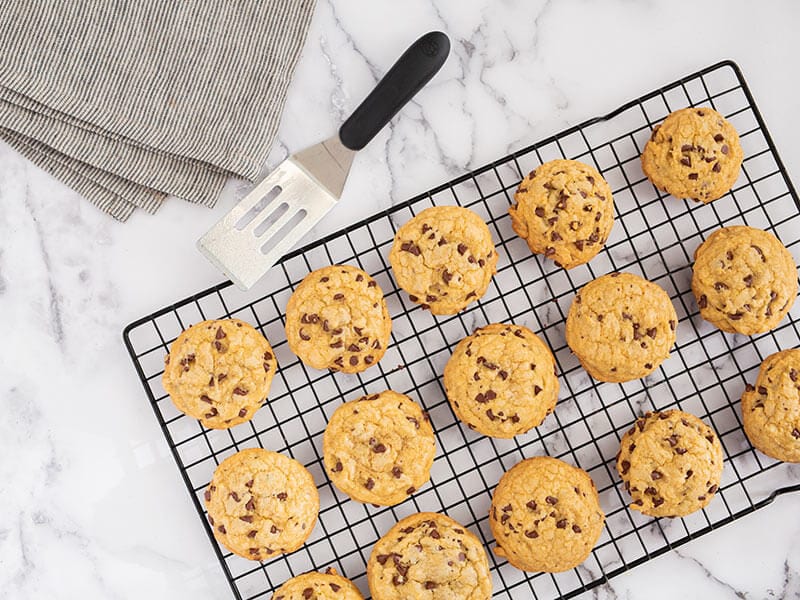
(539, 211)
(555, 236)
(686, 161)
(724, 149)
(219, 346)
(246, 518)
(720, 286)
(796, 433)
(242, 413)
(687, 148)
(205, 399)
(576, 529)
(702, 301)
(379, 448)
(411, 490)
(410, 247)
(397, 472)
(656, 475)
(446, 276)
(369, 484)
(760, 252)
(762, 390)
(304, 336)
(353, 361)
(716, 168)
(222, 529)
(207, 496)
(579, 244)
(382, 558)
(462, 248)
(532, 534)
(650, 491)
(551, 500)
(626, 465)
(561, 523)
(651, 332)
(693, 176)
(338, 296)
(282, 496)
(429, 585)
(689, 473)
(240, 391)
(658, 501)
(337, 344)
(435, 534)
(673, 440)
(718, 137)
(212, 413)
(252, 533)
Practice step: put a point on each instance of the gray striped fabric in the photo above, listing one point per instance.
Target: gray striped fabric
(129, 101)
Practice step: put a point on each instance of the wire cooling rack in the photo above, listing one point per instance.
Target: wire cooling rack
(654, 236)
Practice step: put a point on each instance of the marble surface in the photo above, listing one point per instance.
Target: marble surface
(92, 503)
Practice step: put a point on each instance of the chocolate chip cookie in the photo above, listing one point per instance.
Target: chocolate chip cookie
(318, 586)
(501, 380)
(379, 448)
(621, 327)
(695, 153)
(564, 209)
(337, 319)
(670, 463)
(771, 408)
(444, 258)
(261, 504)
(744, 280)
(545, 515)
(429, 556)
(219, 372)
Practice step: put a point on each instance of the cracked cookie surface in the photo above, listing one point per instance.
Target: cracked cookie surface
(444, 258)
(564, 209)
(261, 504)
(545, 515)
(219, 372)
(771, 408)
(744, 280)
(670, 463)
(379, 449)
(337, 319)
(501, 380)
(695, 153)
(621, 327)
(429, 556)
(318, 586)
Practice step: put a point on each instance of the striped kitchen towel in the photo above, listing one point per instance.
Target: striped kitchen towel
(129, 101)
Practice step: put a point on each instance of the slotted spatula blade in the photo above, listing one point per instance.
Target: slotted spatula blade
(287, 204)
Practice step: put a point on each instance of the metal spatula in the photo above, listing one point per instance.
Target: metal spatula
(283, 207)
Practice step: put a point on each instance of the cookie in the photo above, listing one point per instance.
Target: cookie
(771, 408)
(219, 372)
(261, 504)
(564, 210)
(337, 319)
(429, 556)
(379, 449)
(621, 327)
(501, 380)
(670, 463)
(545, 515)
(695, 153)
(318, 586)
(744, 280)
(444, 258)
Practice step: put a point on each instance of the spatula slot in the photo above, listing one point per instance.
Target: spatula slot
(271, 219)
(251, 214)
(276, 237)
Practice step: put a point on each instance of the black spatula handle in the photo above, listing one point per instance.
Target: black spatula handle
(406, 77)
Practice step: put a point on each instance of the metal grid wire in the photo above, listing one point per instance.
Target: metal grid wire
(654, 236)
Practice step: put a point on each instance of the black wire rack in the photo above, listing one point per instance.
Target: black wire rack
(654, 236)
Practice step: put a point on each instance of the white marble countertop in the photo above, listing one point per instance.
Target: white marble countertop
(92, 503)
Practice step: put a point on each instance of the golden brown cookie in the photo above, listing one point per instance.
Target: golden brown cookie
(671, 463)
(545, 515)
(261, 504)
(429, 556)
(219, 372)
(337, 319)
(501, 380)
(771, 408)
(564, 210)
(444, 258)
(379, 448)
(621, 327)
(744, 280)
(318, 586)
(695, 153)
